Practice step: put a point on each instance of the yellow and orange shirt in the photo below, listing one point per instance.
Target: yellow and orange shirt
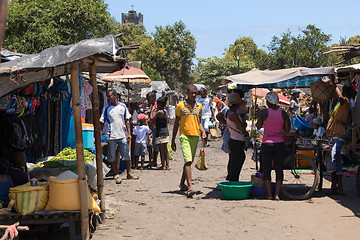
(189, 118)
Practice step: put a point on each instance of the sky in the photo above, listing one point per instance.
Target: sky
(217, 24)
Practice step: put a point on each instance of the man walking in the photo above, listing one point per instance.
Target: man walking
(188, 114)
(207, 114)
(115, 117)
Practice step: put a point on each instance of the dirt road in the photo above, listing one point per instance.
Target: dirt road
(154, 208)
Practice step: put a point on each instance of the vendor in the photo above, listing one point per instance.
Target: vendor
(17, 170)
(335, 130)
(294, 107)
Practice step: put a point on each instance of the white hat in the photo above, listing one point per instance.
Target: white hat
(295, 91)
(272, 97)
(234, 99)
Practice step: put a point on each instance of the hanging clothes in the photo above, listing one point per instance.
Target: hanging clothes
(86, 90)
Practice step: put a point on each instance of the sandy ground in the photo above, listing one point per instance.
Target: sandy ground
(154, 208)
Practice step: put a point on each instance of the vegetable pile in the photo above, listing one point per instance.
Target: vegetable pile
(66, 159)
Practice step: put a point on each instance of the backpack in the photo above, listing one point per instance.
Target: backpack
(17, 134)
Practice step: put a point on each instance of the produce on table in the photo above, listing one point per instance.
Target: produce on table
(66, 159)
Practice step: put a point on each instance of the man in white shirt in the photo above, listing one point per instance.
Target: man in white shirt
(115, 117)
(208, 112)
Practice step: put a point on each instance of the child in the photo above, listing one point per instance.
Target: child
(188, 114)
(319, 131)
(142, 137)
(162, 132)
(16, 172)
(5, 183)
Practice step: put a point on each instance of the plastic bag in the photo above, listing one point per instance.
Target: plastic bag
(171, 155)
(200, 163)
(213, 133)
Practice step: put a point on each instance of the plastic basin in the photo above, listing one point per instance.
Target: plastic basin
(300, 123)
(235, 190)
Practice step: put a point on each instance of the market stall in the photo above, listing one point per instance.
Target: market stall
(289, 78)
(103, 55)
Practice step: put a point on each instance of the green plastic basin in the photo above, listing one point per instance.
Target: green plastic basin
(235, 190)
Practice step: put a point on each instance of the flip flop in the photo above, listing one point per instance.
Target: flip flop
(132, 177)
(183, 188)
(190, 193)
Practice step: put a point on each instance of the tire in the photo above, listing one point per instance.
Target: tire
(299, 186)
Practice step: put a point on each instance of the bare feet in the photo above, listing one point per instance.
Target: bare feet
(277, 198)
(269, 197)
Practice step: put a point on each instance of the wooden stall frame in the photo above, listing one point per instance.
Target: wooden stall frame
(74, 69)
(97, 135)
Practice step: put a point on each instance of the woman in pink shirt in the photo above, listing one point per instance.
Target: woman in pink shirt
(275, 122)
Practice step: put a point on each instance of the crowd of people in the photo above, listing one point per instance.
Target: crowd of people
(198, 112)
(194, 117)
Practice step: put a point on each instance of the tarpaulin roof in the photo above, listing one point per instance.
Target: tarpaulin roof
(345, 68)
(291, 77)
(52, 62)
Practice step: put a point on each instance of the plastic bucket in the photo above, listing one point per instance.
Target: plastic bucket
(300, 123)
(235, 190)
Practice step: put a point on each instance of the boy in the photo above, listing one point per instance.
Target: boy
(16, 172)
(188, 114)
(208, 112)
(142, 137)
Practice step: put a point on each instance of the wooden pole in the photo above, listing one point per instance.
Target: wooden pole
(74, 69)
(128, 100)
(3, 16)
(97, 135)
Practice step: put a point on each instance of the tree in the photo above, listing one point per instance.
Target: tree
(211, 71)
(305, 50)
(175, 49)
(34, 25)
(132, 33)
(246, 49)
(352, 41)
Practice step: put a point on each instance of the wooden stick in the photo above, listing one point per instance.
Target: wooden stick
(74, 69)
(97, 135)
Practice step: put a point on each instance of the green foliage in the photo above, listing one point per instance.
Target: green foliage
(247, 50)
(211, 71)
(304, 50)
(352, 41)
(34, 25)
(167, 54)
(176, 49)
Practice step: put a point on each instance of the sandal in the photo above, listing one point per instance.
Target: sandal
(132, 177)
(190, 193)
(183, 188)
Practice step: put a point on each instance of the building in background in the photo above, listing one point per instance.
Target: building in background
(132, 17)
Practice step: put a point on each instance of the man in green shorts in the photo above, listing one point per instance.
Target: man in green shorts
(188, 115)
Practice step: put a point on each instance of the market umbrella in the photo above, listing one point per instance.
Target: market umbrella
(128, 74)
(261, 93)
